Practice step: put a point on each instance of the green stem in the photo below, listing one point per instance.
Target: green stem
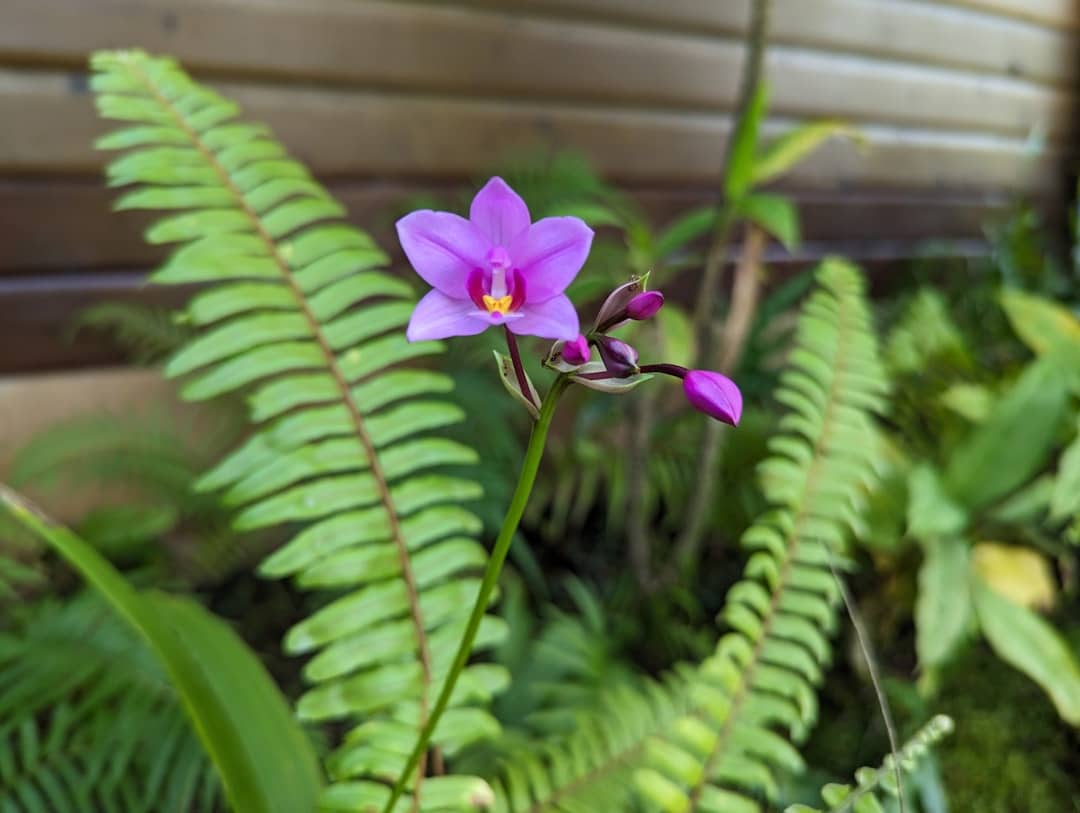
(526, 479)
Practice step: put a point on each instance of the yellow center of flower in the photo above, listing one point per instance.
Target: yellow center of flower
(500, 305)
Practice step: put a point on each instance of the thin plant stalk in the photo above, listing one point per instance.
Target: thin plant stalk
(519, 369)
(732, 340)
(716, 257)
(526, 479)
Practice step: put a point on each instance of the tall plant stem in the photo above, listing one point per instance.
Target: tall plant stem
(716, 257)
(527, 477)
(732, 339)
(732, 335)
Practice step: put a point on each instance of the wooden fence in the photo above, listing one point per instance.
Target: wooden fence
(963, 103)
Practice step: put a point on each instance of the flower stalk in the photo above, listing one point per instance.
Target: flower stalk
(526, 479)
(519, 369)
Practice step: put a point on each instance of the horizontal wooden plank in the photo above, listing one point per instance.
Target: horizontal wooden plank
(491, 54)
(38, 317)
(67, 225)
(1051, 13)
(922, 31)
(37, 314)
(50, 125)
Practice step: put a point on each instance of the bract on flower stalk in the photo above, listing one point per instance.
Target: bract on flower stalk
(496, 268)
(613, 312)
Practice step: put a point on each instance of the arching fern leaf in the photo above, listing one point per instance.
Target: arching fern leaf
(871, 783)
(758, 691)
(296, 311)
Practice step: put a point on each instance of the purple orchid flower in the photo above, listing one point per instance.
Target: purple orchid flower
(496, 268)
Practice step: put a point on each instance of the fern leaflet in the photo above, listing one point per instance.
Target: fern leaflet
(863, 797)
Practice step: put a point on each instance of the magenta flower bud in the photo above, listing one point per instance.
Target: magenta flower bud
(576, 351)
(714, 394)
(620, 359)
(645, 305)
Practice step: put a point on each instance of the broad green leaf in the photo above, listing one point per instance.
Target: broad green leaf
(788, 150)
(970, 401)
(775, 215)
(263, 758)
(1026, 641)
(1041, 324)
(740, 168)
(943, 609)
(685, 230)
(676, 335)
(1014, 441)
(931, 511)
(1065, 500)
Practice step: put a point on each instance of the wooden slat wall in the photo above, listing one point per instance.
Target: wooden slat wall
(385, 97)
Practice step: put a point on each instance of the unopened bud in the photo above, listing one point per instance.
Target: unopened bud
(714, 394)
(620, 359)
(576, 351)
(645, 305)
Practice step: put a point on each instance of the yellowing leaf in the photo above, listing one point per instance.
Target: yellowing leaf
(1019, 574)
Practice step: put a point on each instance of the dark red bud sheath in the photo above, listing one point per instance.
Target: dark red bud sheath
(620, 359)
(576, 351)
(645, 305)
(714, 394)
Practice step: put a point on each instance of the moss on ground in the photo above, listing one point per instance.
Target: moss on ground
(1010, 753)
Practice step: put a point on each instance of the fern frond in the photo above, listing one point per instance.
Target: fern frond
(758, 690)
(591, 768)
(147, 334)
(870, 782)
(89, 721)
(297, 311)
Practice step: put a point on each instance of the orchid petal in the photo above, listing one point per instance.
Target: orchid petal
(550, 254)
(443, 248)
(552, 319)
(499, 212)
(438, 316)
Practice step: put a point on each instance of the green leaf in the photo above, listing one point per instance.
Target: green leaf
(740, 168)
(788, 150)
(1065, 500)
(263, 758)
(685, 230)
(1014, 441)
(1042, 325)
(931, 511)
(676, 335)
(1024, 640)
(775, 214)
(943, 609)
